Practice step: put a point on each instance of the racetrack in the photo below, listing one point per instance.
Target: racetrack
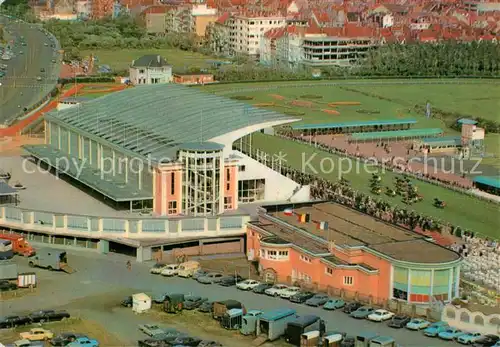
(20, 87)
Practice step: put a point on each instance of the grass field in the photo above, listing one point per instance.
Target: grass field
(121, 59)
(462, 210)
(392, 101)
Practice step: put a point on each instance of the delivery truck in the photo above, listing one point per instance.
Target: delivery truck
(8, 270)
(19, 244)
(51, 259)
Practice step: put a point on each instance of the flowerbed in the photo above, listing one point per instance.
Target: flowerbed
(301, 103)
(335, 112)
(242, 97)
(277, 97)
(311, 96)
(344, 103)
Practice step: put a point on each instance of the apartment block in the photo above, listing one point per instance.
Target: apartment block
(248, 29)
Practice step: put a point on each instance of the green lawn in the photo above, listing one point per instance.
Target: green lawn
(121, 59)
(462, 210)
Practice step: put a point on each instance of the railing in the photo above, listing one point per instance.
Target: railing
(97, 226)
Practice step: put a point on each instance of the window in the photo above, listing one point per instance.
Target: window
(348, 281)
(228, 175)
(172, 207)
(141, 71)
(251, 190)
(228, 202)
(242, 168)
(305, 277)
(172, 183)
(328, 270)
(305, 259)
(283, 254)
(228, 186)
(271, 255)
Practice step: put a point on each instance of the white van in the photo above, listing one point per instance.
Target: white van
(188, 268)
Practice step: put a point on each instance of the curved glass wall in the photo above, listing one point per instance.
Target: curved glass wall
(422, 286)
(201, 186)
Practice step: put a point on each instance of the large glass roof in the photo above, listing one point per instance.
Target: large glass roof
(154, 120)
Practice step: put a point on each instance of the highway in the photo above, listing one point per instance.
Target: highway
(19, 87)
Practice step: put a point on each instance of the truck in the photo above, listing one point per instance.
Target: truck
(8, 270)
(51, 259)
(221, 307)
(19, 244)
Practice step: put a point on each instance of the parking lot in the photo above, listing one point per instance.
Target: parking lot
(93, 293)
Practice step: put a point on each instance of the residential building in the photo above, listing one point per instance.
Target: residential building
(218, 35)
(190, 18)
(330, 247)
(150, 69)
(154, 19)
(203, 16)
(248, 29)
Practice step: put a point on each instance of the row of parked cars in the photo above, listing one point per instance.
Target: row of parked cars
(355, 309)
(38, 336)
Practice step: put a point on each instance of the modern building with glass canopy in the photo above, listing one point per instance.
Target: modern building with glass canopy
(164, 147)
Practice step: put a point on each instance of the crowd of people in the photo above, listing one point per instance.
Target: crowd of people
(482, 260)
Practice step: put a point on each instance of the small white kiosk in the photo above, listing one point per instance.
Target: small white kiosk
(140, 302)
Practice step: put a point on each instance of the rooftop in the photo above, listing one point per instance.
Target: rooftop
(355, 124)
(154, 120)
(152, 60)
(6, 190)
(443, 141)
(352, 228)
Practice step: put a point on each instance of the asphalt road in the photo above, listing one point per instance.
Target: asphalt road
(100, 274)
(20, 86)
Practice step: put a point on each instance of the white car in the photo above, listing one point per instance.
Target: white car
(289, 292)
(247, 284)
(276, 289)
(151, 329)
(380, 315)
(157, 269)
(170, 270)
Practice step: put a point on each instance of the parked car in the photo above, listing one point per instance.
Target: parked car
(417, 324)
(84, 341)
(191, 302)
(276, 290)
(209, 343)
(199, 273)
(399, 321)
(151, 329)
(247, 284)
(48, 316)
(261, 288)
(334, 304)
(206, 307)
(157, 268)
(450, 334)
(161, 340)
(469, 338)
(318, 300)
(37, 334)
(64, 338)
(6, 286)
(362, 312)
(212, 277)
(487, 341)
(13, 321)
(380, 315)
(185, 341)
(26, 343)
(170, 270)
(348, 341)
(435, 328)
(160, 298)
(289, 292)
(301, 297)
(127, 302)
(231, 280)
(351, 307)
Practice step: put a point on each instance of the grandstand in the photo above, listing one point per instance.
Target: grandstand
(354, 127)
(162, 147)
(490, 184)
(441, 144)
(395, 135)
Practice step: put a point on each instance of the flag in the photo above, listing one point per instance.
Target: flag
(323, 225)
(288, 212)
(302, 218)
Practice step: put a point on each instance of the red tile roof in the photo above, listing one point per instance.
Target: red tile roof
(222, 19)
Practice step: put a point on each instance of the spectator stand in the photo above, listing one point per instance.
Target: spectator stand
(8, 195)
(353, 127)
(489, 184)
(395, 135)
